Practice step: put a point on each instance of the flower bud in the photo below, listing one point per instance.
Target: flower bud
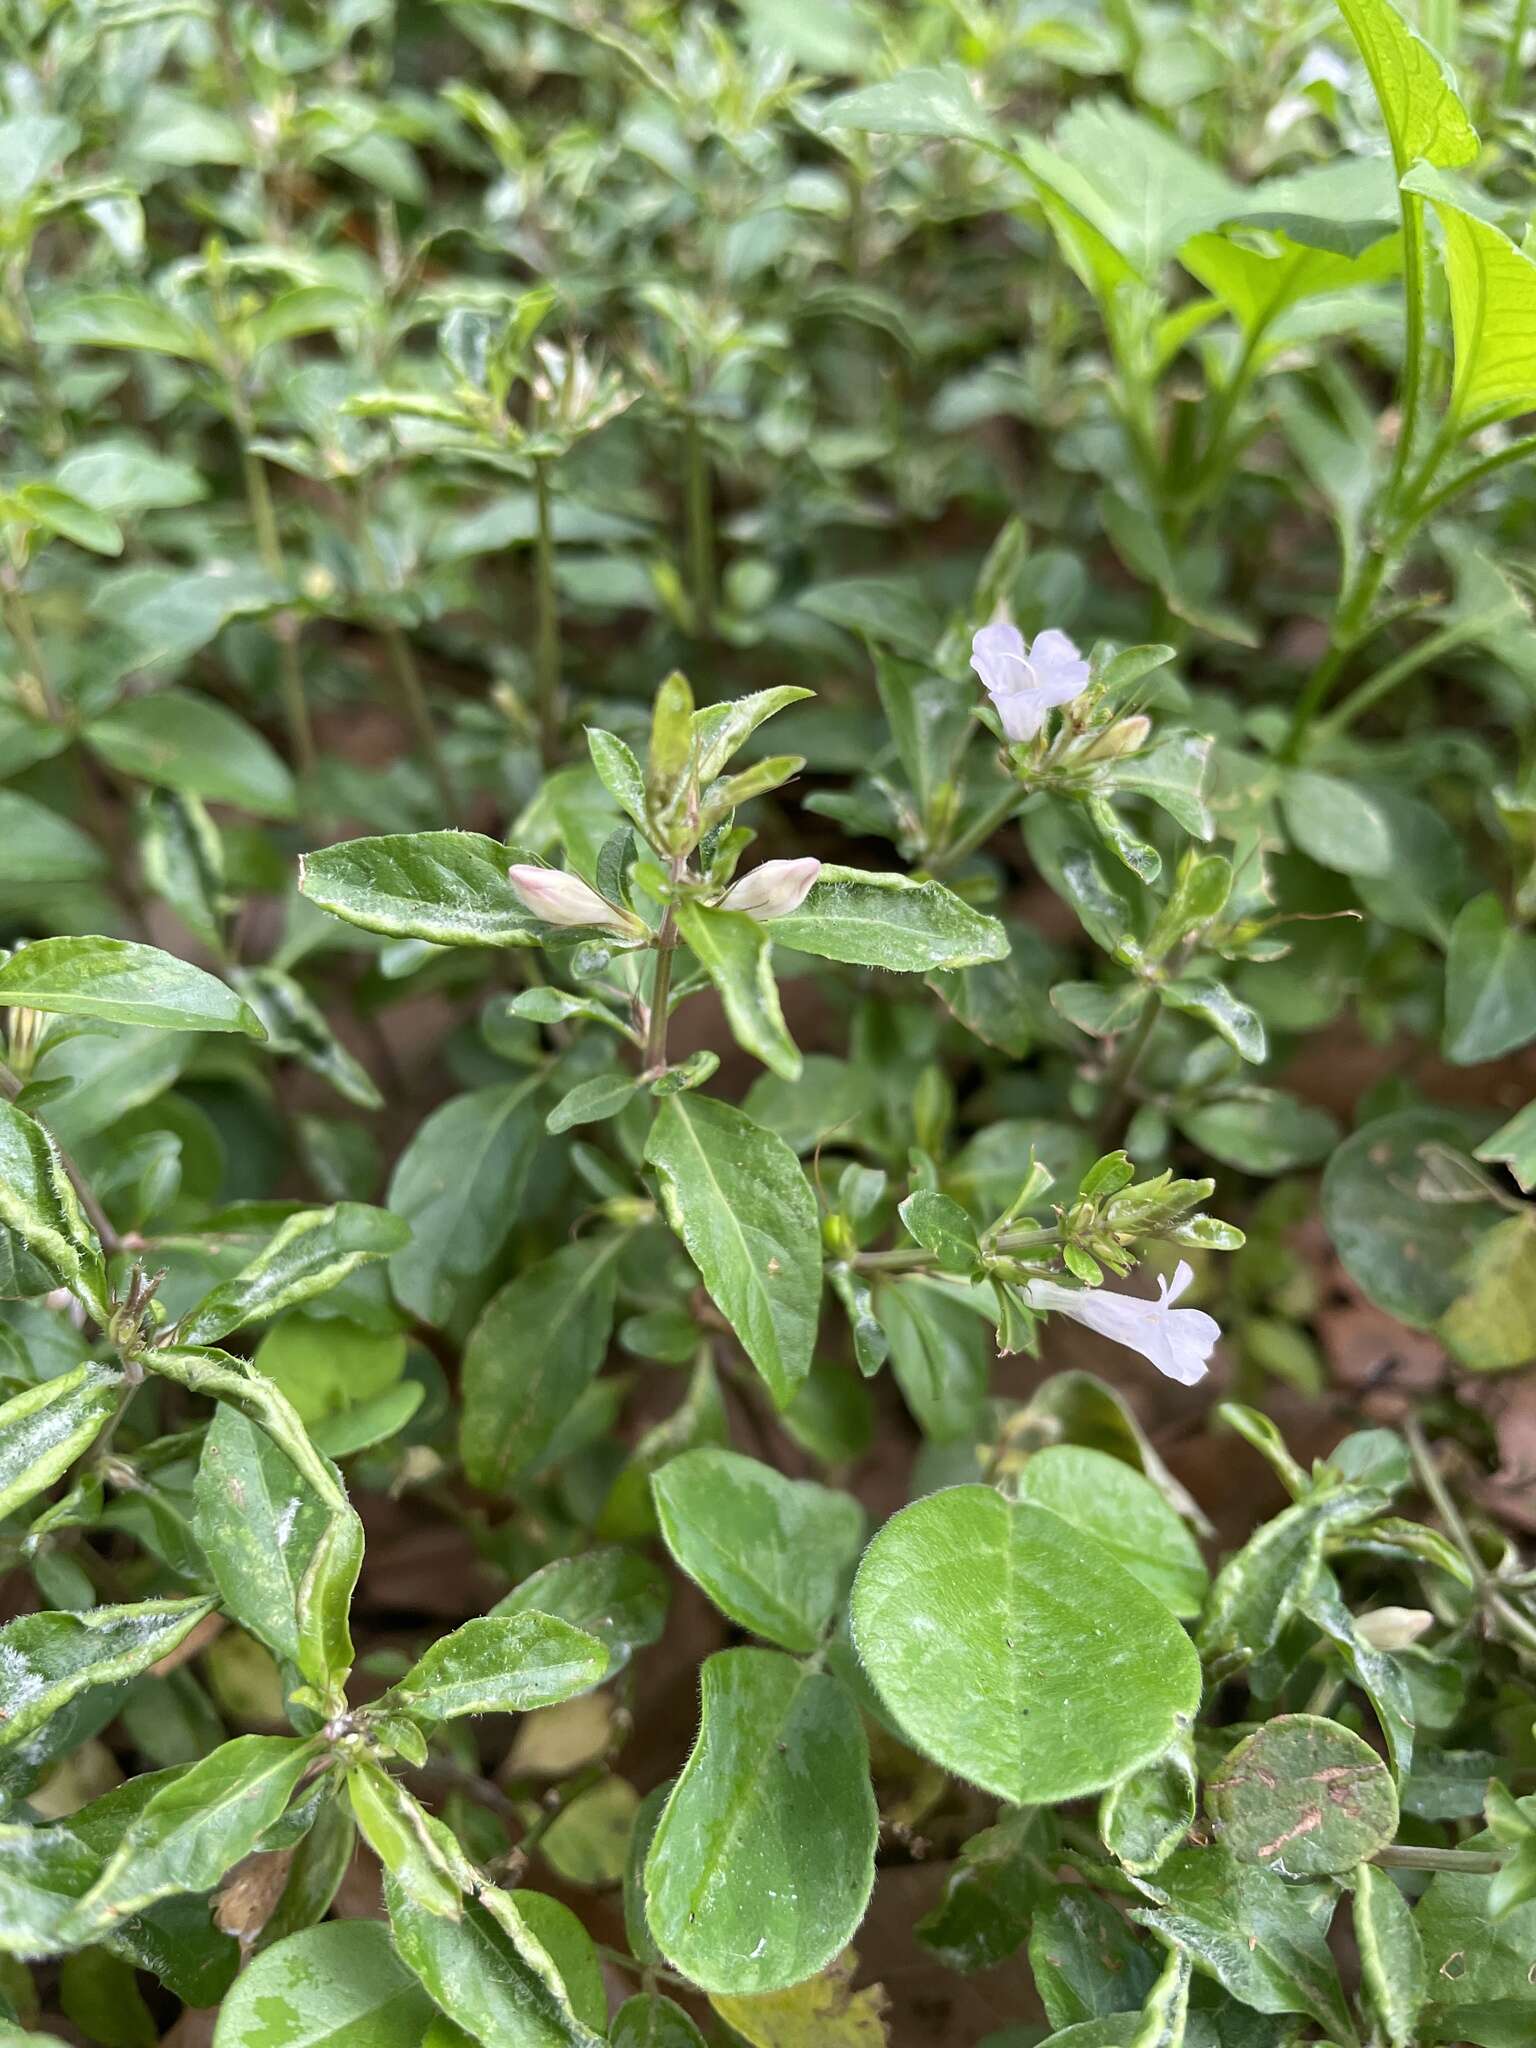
(1393, 1628)
(772, 890)
(565, 899)
(1125, 736)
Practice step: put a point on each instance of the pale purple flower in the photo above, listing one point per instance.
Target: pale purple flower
(772, 890)
(1178, 1341)
(565, 899)
(1025, 682)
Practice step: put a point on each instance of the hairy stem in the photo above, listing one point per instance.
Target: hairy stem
(285, 626)
(701, 531)
(546, 648)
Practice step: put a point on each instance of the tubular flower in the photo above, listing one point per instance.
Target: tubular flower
(1178, 1341)
(1025, 682)
(772, 890)
(565, 899)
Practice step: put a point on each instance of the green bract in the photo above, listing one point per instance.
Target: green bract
(767, 1025)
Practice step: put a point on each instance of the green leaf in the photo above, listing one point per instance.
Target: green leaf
(981, 1624)
(43, 847)
(311, 1252)
(49, 1659)
(942, 1227)
(774, 1554)
(123, 319)
(939, 104)
(735, 952)
(719, 730)
(61, 512)
(500, 1664)
(1391, 1955)
(1413, 86)
(122, 983)
(992, 1891)
(458, 1184)
(258, 1522)
(651, 2021)
(735, 1194)
(1490, 985)
(1477, 1967)
(618, 771)
(612, 1593)
(1261, 1937)
(487, 1967)
(40, 1209)
(1146, 1816)
(336, 1986)
(1514, 1145)
(1493, 303)
(1405, 1250)
(195, 1828)
(536, 1347)
(1303, 1796)
(591, 1102)
(1087, 1963)
(763, 1860)
(44, 1428)
(449, 888)
(939, 1351)
(297, 1028)
(1261, 1130)
(194, 744)
(1337, 824)
(874, 920)
(1258, 1590)
(1214, 1004)
(1127, 1514)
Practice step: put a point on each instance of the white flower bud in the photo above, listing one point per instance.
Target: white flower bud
(772, 890)
(565, 899)
(1394, 1628)
(1125, 736)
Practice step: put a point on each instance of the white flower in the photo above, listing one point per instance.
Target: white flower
(772, 890)
(560, 898)
(1178, 1341)
(1025, 682)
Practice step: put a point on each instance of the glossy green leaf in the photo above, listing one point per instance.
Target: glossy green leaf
(1491, 1324)
(1146, 1816)
(1015, 1650)
(775, 1554)
(888, 920)
(258, 1522)
(1391, 1955)
(196, 1827)
(1261, 1131)
(48, 1659)
(507, 1664)
(449, 888)
(651, 2021)
(310, 1253)
(537, 1345)
(42, 846)
(45, 1428)
(735, 1194)
(940, 104)
(1261, 1937)
(336, 1986)
(40, 1209)
(762, 1863)
(1215, 1005)
(611, 1593)
(122, 983)
(735, 952)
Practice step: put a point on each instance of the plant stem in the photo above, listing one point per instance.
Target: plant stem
(546, 650)
(1514, 50)
(655, 1056)
(701, 531)
(18, 617)
(1466, 1862)
(1516, 1624)
(1122, 1069)
(1347, 632)
(1413, 354)
(1476, 473)
(980, 830)
(285, 626)
(1375, 687)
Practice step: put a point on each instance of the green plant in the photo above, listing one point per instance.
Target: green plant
(499, 502)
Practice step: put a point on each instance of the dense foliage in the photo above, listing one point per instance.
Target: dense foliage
(755, 765)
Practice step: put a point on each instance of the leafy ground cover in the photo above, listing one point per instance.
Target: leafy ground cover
(766, 1271)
